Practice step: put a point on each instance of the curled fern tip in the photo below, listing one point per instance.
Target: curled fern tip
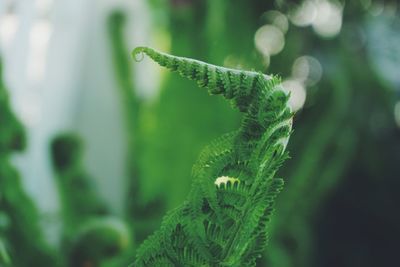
(137, 53)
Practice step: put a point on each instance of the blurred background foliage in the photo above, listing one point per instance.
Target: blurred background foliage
(339, 59)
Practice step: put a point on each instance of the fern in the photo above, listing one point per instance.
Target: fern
(224, 220)
(79, 200)
(91, 235)
(20, 233)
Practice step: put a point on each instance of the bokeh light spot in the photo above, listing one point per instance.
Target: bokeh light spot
(269, 40)
(297, 93)
(277, 19)
(324, 16)
(304, 14)
(307, 69)
(328, 21)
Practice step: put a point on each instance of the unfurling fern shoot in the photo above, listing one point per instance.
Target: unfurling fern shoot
(225, 218)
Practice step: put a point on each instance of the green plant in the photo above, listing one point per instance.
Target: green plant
(20, 232)
(91, 235)
(98, 240)
(224, 220)
(79, 199)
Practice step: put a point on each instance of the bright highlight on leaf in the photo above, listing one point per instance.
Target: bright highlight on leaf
(224, 180)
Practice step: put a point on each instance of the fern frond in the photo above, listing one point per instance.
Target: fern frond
(239, 86)
(224, 220)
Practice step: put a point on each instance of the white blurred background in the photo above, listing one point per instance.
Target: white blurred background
(58, 69)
